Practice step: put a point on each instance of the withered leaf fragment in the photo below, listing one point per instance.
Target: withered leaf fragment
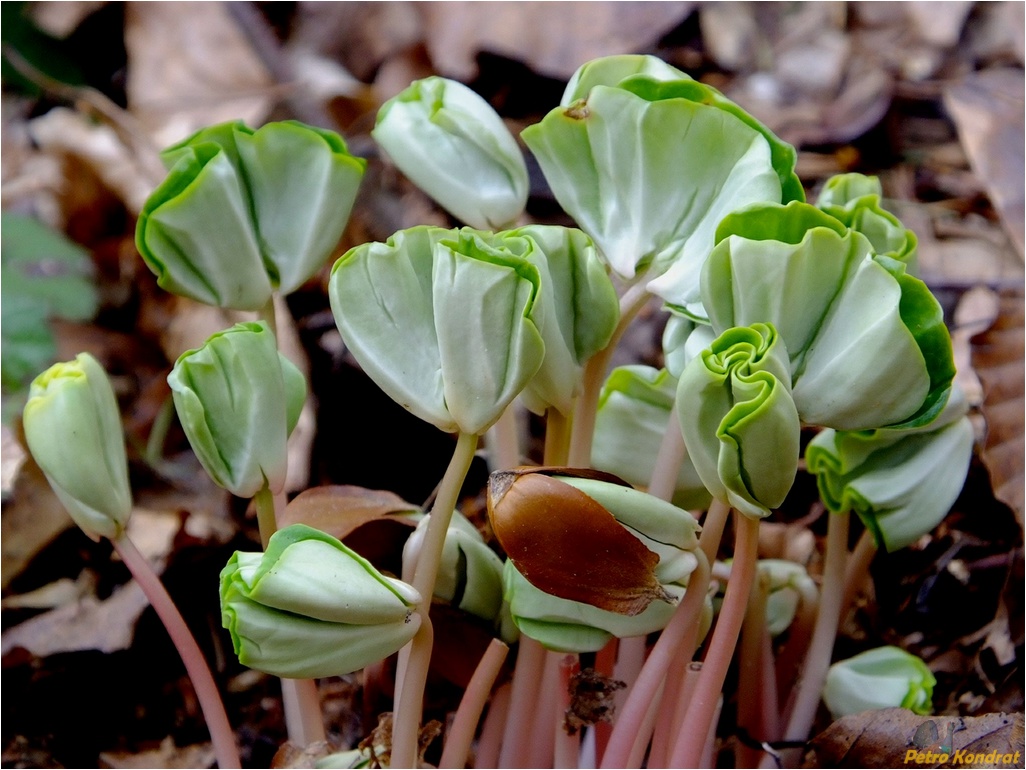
(567, 544)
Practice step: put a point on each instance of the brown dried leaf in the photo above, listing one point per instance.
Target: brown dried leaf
(987, 108)
(33, 517)
(895, 738)
(88, 624)
(976, 312)
(568, 545)
(997, 357)
(167, 755)
(131, 177)
(189, 67)
(552, 38)
(294, 756)
(338, 510)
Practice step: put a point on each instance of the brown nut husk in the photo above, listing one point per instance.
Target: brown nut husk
(567, 544)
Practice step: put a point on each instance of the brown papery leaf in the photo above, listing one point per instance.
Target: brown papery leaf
(568, 545)
(987, 108)
(339, 510)
(364, 518)
(168, 755)
(997, 357)
(899, 738)
(552, 38)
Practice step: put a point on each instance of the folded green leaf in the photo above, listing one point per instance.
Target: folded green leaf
(683, 339)
(613, 70)
(238, 398)
(885, 677)
(739, 421)
(786, 582)
(576, 311)
(454, 146)
(73, 429)
(442, 321)
(245, 212)
(311, 607)
(569, 626)
(901, 483)
(855, 200)
(470, 573)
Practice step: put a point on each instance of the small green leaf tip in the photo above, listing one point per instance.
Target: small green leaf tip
(739, 420)
(452, 144)
(237, 398)
(885, 677)
(310, 607)
(901, 483)
(855, 200)
(73, 429)
(443, 321)
(244, 212)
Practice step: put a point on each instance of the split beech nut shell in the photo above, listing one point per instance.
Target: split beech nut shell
(567, 544)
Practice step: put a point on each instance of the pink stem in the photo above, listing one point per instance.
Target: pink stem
(701, 712)
(585, 410)
(468, 714)
(677, 641)
(687, 691)
(415, 658)
(817, 660)
(523, 701)
(221, 734)
(542, 745)
(491, 733)
(857, 572)
(751, 675)
(672, 453)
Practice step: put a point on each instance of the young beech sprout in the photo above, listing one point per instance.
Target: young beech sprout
(244, 212)
(683, 339)
(454, 146)
(238, 399)
(634, 408)
(787, 585)
(739, 420)
(901, 483)
(783, 315)
(310, 607)
(73, 429)
(443, 321)
(647, 161)
(885, 677)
